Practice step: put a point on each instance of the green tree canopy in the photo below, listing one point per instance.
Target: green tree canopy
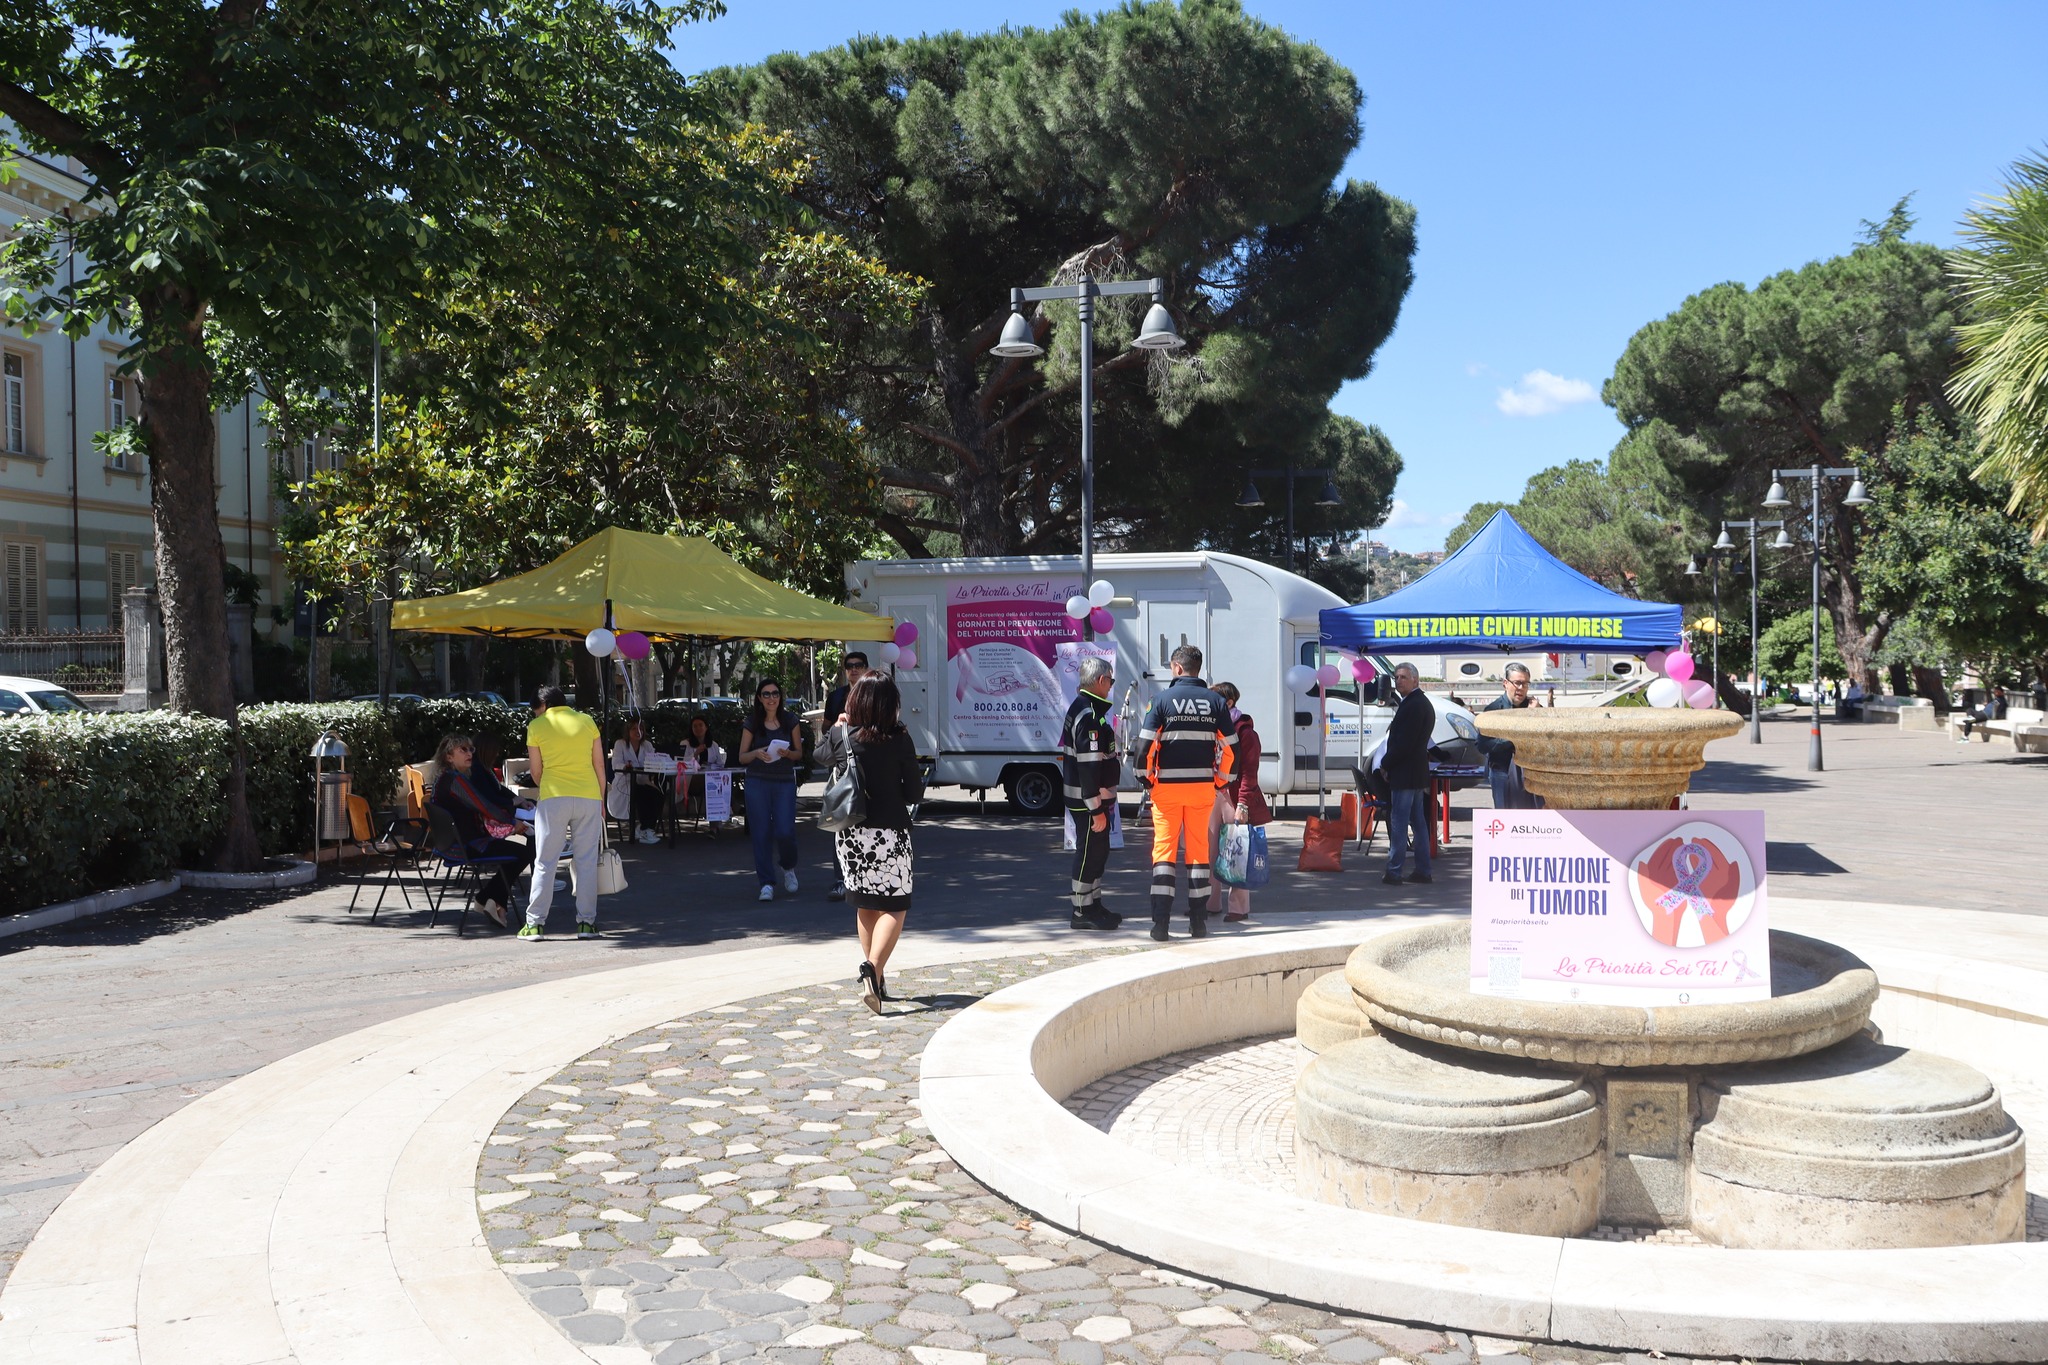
(1597, 520)
(1813, 366)
(1188, 142)
(1785, 650)
(2003, 380)
(264, 172)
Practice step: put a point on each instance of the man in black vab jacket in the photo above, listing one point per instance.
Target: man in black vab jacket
(1406, 766)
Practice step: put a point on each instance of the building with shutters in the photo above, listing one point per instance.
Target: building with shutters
(75, 527)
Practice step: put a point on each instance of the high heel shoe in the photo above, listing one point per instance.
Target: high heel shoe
(882, 987)
(870, 987)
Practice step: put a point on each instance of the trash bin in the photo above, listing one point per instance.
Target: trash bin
(331, 823)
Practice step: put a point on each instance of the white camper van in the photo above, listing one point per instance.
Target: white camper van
(998, 659)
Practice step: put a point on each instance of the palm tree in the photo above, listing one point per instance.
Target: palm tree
(2002, 272)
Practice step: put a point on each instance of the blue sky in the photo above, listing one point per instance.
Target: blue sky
(1578, 170)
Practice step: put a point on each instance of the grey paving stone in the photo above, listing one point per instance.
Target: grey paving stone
(596, 1329)
(1079, 1353)
(1354, 1351)
(1016, 1348)
(890, 1335)
(945, 1304)
(560, 1303)
(668, 1325)
(680, 1352)
(865, 1314)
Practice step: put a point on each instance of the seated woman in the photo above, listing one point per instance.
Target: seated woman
(481, 824)
(704, 752)
(483, 775)
(631, 756)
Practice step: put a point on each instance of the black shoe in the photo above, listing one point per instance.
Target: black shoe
(837, 893)
(1421, 877)
(1198, 926)
(1082, 919)
(1159, 934)
(882, 986)
(870, 989)
(1392, 879)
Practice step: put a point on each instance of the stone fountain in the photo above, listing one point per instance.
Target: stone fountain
(1779, 1123)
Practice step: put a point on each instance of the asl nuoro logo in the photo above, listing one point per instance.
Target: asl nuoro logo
(1694, 886)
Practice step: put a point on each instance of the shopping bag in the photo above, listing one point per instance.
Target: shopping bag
(1258, 866)
(618, 797)
(1233, 855)
(1322, 846)
(1358, 815)
(611, 872)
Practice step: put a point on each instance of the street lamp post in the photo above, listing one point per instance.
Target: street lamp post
(1328, 497)
(1020, 342)
(1756, 676)
(1816, 477)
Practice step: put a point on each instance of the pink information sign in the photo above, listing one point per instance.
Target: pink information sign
(1620, 907)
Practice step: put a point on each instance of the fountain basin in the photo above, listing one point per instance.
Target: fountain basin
(1609, 757)
(1417, 982)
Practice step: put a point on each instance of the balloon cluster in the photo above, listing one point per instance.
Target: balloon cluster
(1094, 607)
(1302, 678)
(630, 645)
(1675, 684)
(901, 649)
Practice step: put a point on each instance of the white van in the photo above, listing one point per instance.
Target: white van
(997, 661)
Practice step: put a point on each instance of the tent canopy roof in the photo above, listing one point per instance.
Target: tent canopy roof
(1502, 591)
(671, 586)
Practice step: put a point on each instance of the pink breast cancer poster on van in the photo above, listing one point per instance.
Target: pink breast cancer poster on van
(1620, 907)
(1003, 660)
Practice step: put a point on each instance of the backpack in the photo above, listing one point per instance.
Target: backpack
(845, 804)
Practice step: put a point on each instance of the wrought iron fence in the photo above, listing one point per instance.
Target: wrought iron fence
(85, 661)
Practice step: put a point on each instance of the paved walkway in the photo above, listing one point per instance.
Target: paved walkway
(117, 1022)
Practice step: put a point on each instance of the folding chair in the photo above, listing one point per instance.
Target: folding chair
(464, 871)
(403, 842)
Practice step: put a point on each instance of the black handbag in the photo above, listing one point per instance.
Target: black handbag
(845, 805)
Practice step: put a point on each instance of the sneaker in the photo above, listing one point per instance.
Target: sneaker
(1159, 934)
(767, 894)
(530, 931)
(1198, 928)
(789, 881)
(1422, 878)
(1234, 917)
(837, 893)
(493, 912)
(585, 930)
(648, 836)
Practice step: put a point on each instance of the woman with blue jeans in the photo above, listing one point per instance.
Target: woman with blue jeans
(771, 746)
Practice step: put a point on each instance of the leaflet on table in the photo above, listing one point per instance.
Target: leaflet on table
(1620, 907)
(717, 797)
(1013, 661)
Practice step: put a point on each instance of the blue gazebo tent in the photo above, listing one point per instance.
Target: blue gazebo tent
(1502, 591)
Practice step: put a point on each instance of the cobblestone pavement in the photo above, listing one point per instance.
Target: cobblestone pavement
(754, 1183)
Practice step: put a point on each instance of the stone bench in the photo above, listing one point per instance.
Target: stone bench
(2017, 721)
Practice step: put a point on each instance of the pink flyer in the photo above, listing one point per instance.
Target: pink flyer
(1620, 907)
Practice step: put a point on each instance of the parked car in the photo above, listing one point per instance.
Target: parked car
(35, 697)
(494, 698)
(395, 697)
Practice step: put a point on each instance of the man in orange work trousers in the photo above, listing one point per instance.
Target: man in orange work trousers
(1185, 751)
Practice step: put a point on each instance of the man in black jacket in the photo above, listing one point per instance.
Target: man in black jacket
(1186, 751)
(1406, 766)
(1091, 772)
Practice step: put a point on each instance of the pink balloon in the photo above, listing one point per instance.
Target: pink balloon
(1654, 661)
(1699, 695)
(906, 632)
(1100, 621)
(1363, 670)
(1678, 666)
(1327, 675)
(906, 657)
(635, 646)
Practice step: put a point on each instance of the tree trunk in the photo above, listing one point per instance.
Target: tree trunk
(177, 412)
(1928, 683)
(1901, 679)
(1856, 640)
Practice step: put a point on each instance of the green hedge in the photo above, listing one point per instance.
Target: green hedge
(91, 802)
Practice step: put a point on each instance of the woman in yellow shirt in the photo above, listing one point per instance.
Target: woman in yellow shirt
(567, 763)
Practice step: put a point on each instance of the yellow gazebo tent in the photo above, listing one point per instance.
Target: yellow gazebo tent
(669, 586)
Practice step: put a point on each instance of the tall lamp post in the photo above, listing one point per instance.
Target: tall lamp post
(1328, 497)
(1816, 526)
(1019, 341)
(1756, 676)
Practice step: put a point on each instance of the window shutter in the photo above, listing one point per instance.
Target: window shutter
(22, 589)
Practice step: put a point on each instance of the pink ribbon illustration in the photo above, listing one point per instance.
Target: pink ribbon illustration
(1691, 862)
(1741, 961)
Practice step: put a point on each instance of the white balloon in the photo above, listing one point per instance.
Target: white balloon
(1665, 692)
(600, 643)
(1077, 606)
(1100, 593)
(890, 652)
(1300, 678)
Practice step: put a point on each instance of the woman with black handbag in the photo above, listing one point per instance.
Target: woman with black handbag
(875, 852)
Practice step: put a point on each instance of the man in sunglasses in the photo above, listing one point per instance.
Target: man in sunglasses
(1091, 772)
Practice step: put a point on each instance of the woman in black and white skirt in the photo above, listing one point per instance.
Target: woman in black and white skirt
(875, 856)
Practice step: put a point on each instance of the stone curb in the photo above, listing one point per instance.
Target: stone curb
(99, 903)
(298, 874)
(993, 1078)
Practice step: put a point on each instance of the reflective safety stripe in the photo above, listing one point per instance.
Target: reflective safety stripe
(1185, 774)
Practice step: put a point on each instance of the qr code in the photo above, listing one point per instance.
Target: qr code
(1504, 973)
